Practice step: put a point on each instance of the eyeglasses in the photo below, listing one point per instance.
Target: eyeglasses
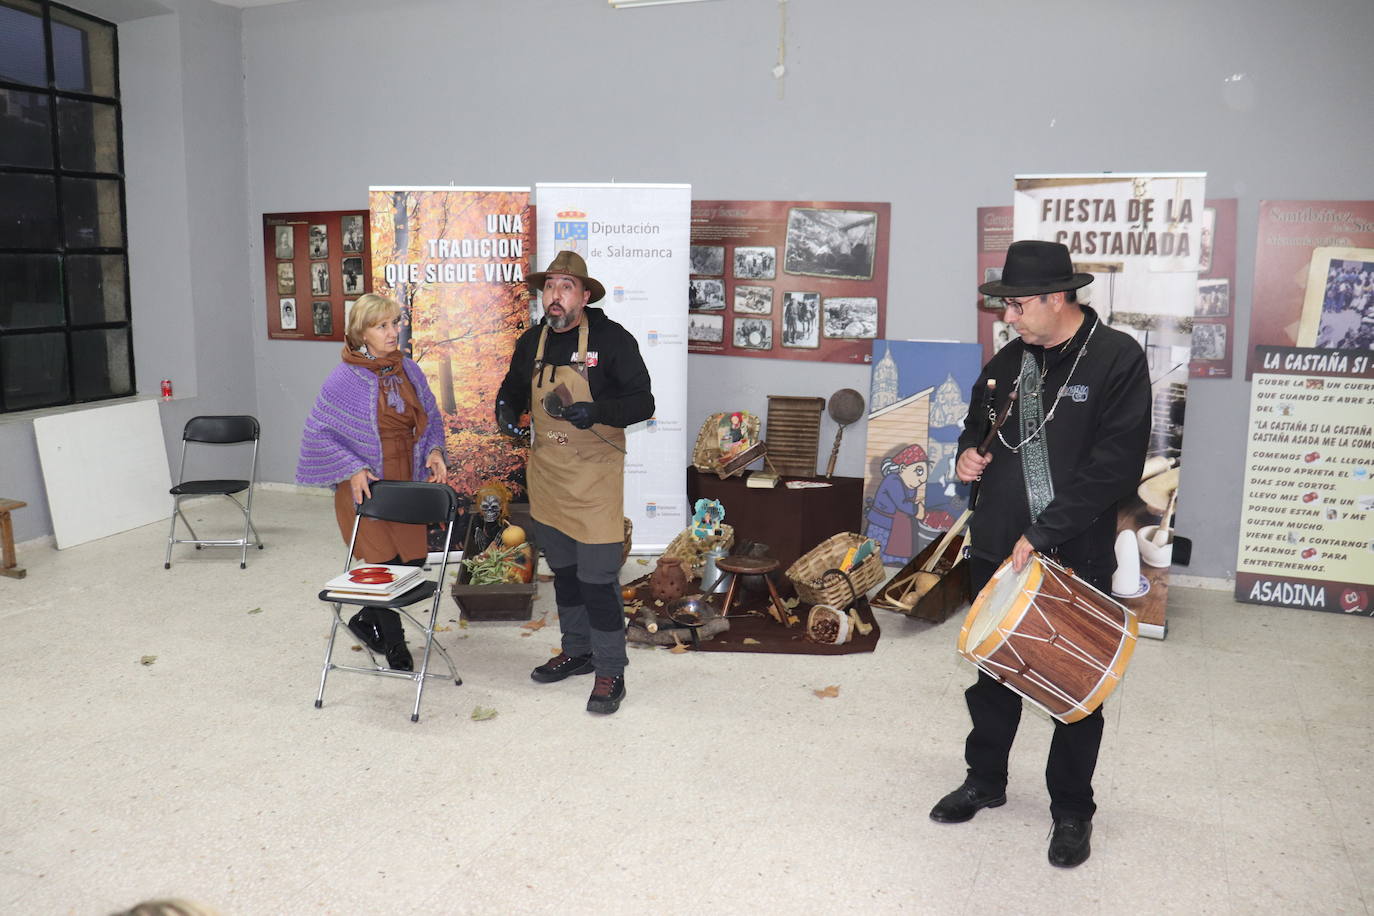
(1018, 305)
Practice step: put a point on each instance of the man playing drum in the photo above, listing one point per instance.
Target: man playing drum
(1072, 448)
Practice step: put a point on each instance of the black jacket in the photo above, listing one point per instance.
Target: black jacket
(619, 381)
(1097, 442)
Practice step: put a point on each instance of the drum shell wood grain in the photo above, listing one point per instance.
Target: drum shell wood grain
(1040, 634)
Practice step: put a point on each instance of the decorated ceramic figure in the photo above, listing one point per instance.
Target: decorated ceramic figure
(707, 516)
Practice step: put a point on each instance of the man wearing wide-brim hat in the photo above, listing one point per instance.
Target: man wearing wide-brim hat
(1072, 448)
(582, 379)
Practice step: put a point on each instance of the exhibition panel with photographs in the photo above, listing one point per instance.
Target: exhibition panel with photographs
(317, 265)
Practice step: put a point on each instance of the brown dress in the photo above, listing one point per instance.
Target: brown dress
(380, 541)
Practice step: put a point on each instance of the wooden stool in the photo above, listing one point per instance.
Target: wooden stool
(741, 565)
(9, 565)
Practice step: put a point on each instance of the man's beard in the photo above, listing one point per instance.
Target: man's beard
(560, 321)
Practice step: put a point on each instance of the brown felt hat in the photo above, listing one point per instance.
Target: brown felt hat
(1034, 268)
(570, 263)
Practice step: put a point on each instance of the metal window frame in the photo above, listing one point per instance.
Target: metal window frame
(63, 250)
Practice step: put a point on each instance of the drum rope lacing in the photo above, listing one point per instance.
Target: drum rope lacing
(1065, 645)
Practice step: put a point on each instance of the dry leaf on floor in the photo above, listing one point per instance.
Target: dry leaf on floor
(555, 650)
(147, 659)
(528, 629)
(463, 623)
(791, 602)
(356, 648)
(832, 691)
(482, 713)
(751, 641)
(642, 561)
(256, 610)
(442, 629)
(678, 649)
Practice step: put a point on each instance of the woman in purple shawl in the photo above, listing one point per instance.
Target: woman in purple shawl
(375, 419)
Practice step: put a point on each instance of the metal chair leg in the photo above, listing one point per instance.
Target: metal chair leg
(171, 536)
(328, 657)
(185, 521)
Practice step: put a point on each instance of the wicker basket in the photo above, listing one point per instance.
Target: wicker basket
(817, 575)
(692, 550)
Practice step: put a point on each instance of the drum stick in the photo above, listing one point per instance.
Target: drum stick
(1000, 418)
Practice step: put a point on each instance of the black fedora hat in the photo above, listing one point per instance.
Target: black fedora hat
(1034, 268)
(570, 263)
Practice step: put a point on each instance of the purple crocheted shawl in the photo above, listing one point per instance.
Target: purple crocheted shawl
(341, 435)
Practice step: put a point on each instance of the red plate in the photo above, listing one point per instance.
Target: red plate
(372, 578)
(370, 569)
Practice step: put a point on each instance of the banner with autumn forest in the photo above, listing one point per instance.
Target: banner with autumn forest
(456, 260)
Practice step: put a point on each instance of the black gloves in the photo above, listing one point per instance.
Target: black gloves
(582, 414)
(509, 421)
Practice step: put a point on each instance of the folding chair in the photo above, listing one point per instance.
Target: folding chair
(411, 503)
(230, 430)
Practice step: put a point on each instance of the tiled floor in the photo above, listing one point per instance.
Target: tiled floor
(1235, 776)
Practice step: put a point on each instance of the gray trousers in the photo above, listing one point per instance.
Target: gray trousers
(586, 584)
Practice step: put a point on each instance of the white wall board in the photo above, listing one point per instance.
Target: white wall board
(105, 470)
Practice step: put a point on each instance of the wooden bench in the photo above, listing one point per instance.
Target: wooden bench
(9, 565)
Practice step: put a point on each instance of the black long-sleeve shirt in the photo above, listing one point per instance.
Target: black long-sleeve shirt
(619, 380)
(1097, 442)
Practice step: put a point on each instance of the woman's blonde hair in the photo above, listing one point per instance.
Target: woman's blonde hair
(370, 309)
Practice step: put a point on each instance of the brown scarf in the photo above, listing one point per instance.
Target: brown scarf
(395, 385)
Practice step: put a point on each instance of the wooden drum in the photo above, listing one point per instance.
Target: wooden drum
(1050, 636)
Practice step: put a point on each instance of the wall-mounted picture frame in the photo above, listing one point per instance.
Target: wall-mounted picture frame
(801, 320)
(754, 300)
(753, 333)
(319, 278)
(322, 318)
(756, 262)
(707, 260)
(353, 231)
(352, 276)
(319, 263)
(319, 241)
(284, 242)
(286, 278)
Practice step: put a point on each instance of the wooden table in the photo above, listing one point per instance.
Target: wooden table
(790, 522)
(9, 564)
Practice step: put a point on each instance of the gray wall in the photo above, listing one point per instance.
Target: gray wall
(181, 81)
(933, 108)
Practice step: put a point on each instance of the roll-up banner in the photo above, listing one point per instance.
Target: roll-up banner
(456, 260)
(634, 238)
(1141, 236)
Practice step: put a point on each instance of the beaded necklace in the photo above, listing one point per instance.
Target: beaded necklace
(1016, 387)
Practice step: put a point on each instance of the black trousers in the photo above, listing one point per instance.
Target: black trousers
(996, 712)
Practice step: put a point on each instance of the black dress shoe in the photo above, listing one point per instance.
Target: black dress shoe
(364, 626)
(1069, 841)
(963, 803)
(563, 666)
(398, 657)
(606, 695)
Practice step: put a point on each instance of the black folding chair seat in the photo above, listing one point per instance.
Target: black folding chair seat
(411, 503)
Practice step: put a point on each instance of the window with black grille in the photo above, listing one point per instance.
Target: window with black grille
(64, 275)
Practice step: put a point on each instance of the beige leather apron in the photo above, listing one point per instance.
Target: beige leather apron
(576, 480)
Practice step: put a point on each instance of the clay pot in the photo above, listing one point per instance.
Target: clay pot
(669, 580)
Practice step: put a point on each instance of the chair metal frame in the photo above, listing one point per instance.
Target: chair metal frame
(408, 502)
(216, 430)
